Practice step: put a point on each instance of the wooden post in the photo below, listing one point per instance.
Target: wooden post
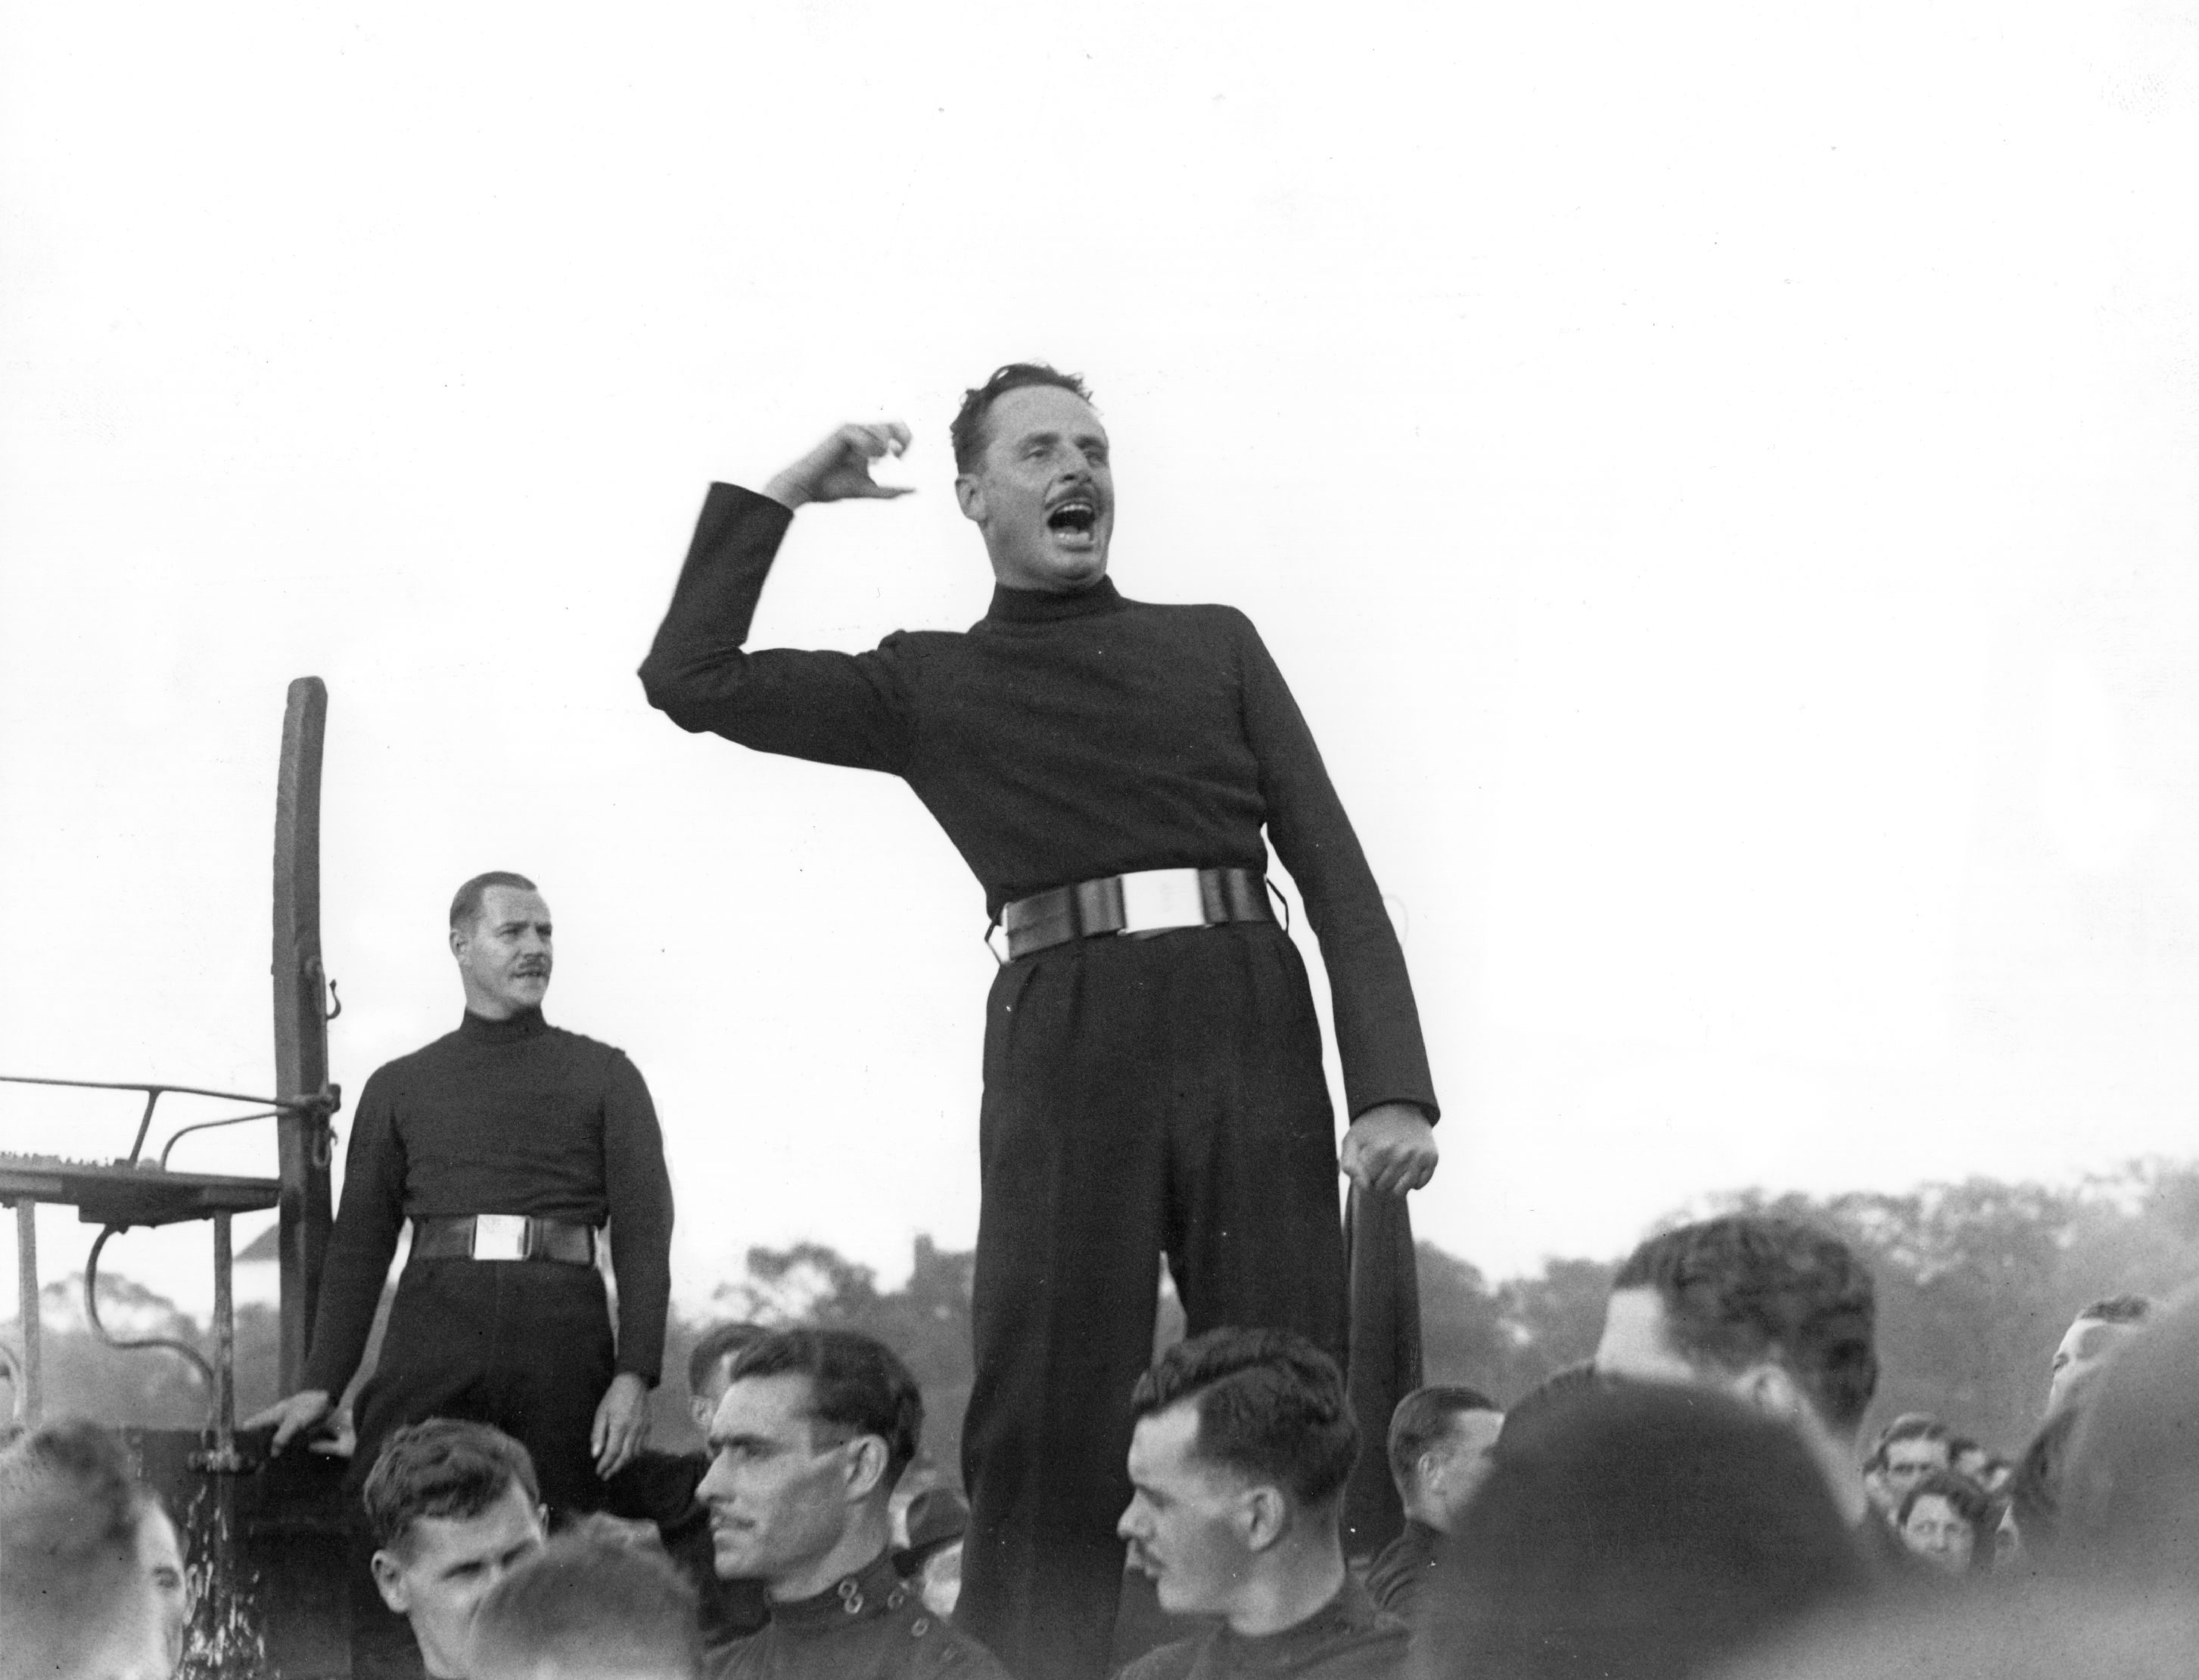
(301, 1034)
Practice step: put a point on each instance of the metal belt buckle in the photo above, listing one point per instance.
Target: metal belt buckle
(1161, 898)
(500, 1236)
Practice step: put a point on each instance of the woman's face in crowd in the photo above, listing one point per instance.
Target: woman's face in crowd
(1939, 1534)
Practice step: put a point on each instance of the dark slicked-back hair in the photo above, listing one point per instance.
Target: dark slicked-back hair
(1911, 1427)
(466, 905)
(443, 1467)
(1745, 1288)
(1560, 1388)
(1422, 1419)
(717, 1344)
(855, 1383)
(1270, 1404)
(968, 431)
(586, 1605)
(2120, 1309)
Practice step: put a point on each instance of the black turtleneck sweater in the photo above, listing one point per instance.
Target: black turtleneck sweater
(1348, 1638)
(500, 1117)
(869, 1626)
(1061, 738)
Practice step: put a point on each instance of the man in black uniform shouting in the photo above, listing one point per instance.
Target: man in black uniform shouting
(508, 1144)
(1105, 767)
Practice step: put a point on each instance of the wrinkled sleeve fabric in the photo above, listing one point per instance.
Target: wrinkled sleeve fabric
(1377, 1026)
(832, 708)
(639, 1191)
(368, 1221)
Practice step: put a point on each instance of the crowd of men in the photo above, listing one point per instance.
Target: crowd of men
(1697, 1498)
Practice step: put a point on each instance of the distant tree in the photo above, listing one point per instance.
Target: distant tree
(926, 1321)
(1504, 1341)
(82, 1376)
(1557, 1318)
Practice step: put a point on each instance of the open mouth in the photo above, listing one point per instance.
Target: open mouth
(1076, 519)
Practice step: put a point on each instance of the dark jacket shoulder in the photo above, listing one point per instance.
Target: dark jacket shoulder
(870, 1626)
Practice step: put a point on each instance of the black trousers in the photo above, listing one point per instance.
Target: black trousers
(1143, 1096)
(525, 1346)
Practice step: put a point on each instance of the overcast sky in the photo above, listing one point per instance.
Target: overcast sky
(1720, 480)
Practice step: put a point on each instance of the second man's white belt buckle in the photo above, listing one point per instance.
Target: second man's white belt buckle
(501, 1236)
(1153, 899)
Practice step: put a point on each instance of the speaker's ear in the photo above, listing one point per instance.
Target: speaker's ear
(969, 497)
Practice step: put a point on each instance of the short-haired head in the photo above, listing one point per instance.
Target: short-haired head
(1561, 1387)
(466, 904)
(1271, 1407)
(442, 1467)
(1743, 1289)
(856, 1384)
(2120, 1309)
(714, 1347)
(1650, 1530)
(589, 1606)
(74, 1595)
(968, 429)
(1909, 1427)
(1424, 1418)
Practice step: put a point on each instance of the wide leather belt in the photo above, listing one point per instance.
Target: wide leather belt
(1149, 900)
(502, 1236)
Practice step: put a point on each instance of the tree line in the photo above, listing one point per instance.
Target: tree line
(1977, 1281)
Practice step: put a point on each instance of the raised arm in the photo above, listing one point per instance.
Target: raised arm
(834, 707)
(1387, 1089)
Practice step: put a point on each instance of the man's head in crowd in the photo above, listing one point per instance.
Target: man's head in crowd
(454, 1508)
(1440, 1439)
(1775, 1312)
(1947, 1521)
(814, 1430)
(1646, 1530)
(2129, 1478)
(1243, 1445)
(710, 1367)
(2092, 1340)
(1907, 1449)
(500, 936)
(79, 1592)
(588, 1606)
(1560, 1388)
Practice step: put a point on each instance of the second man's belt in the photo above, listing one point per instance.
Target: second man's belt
(1151, 901)
(502, 1236)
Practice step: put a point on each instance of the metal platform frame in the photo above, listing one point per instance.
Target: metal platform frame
(129, 1192)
